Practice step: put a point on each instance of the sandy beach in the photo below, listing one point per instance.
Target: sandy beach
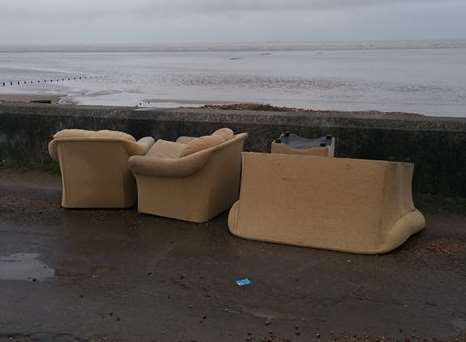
(30, 98)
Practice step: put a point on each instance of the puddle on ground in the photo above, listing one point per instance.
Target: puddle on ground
(24, 266)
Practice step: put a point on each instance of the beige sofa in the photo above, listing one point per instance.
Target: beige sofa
(350, 205)
(94, 167)
(192, 179)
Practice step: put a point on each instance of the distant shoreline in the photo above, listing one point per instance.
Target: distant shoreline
(243, 46)
(9, 99)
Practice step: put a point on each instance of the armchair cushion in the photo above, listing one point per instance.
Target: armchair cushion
(185, 139)
(225, 133)
(194, 145)
(202, 143)
(166, 149)
(168, 167)
(141, 147)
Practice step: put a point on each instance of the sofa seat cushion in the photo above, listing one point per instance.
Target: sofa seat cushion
(166, 149)
(85, 134)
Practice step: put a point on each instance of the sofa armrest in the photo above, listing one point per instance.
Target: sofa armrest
(167, 167)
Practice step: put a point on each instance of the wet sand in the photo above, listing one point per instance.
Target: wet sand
(30, 98)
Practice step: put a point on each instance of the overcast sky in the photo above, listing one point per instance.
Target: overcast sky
(185, 21)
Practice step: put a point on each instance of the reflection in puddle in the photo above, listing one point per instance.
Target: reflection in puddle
(24, 266)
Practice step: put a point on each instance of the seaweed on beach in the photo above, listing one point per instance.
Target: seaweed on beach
(255, 107)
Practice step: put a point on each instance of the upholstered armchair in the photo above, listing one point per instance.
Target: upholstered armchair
(193, 179)
(94, 167)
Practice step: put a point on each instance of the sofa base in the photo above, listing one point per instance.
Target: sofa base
(405, 227)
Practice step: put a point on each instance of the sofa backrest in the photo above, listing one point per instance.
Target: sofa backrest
(295, 199)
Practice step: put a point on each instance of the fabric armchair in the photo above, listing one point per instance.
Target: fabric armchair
(94, 167)
(195, 187)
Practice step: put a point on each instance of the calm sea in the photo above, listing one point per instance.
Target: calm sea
(421, 77)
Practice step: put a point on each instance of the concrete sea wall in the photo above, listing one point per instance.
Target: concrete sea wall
(436, 145)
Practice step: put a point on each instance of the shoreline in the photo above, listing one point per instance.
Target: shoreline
(61, 99)
(31, 98)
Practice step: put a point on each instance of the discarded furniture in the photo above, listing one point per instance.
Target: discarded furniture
(351, 205)
(94, 167)
(294, 144)
(193, 180)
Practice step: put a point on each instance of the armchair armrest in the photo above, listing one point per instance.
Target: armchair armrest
(167, 167)
(141, 147)
(53, 150)
(146, 143)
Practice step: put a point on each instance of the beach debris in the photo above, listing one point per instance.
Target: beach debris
(243, 282)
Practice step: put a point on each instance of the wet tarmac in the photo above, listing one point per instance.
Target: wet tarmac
(24, 266)
(116, 275)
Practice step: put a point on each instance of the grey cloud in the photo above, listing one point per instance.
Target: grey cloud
(155, 21)
(90, 7)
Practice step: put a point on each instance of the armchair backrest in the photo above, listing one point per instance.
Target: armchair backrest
(184, 166)
(130, 145)
(241, 137)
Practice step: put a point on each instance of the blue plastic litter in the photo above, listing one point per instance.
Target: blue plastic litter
(243, 282)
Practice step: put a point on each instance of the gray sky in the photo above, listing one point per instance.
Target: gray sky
(185, 21)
